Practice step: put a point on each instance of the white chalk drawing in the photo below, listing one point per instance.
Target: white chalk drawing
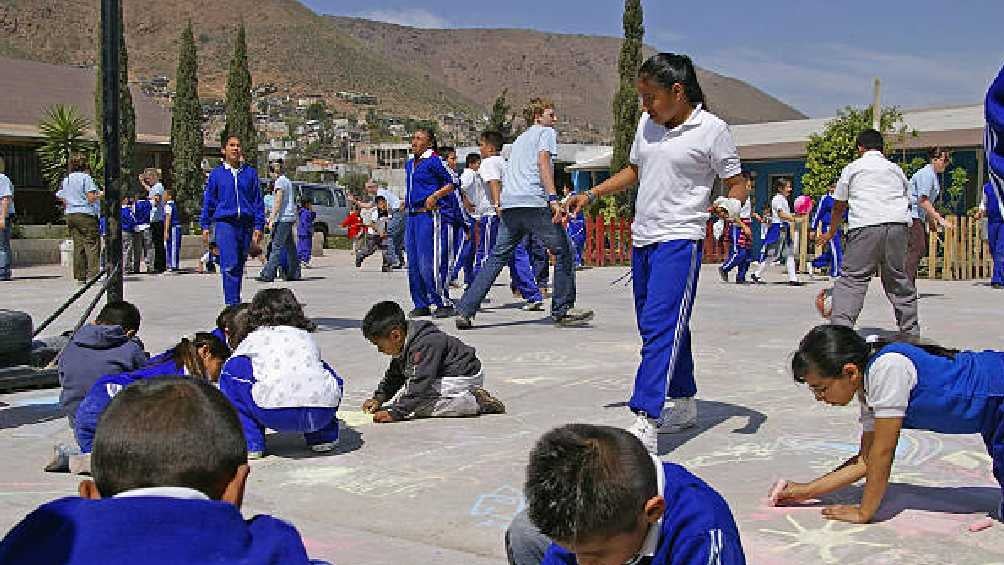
(496, 509)
(824, 540)
(355, 418)
(377, 483)
(971, 460)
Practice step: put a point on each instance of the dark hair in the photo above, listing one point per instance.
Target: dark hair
(186, 353)
(781, 182)
(240, 327)
(379, 198)
(225, 319)
(827, 348)
(305, 201)
(277, 307)
(226, 137)
(78, 163)
(871, 140)
(584, 481)
(382, 318)
(429, 134)
(937, 151)
(493, 138)
(445, 151)
(471, 159)
(667, 69)
(748, 175)
(120, 313)
(168, 431)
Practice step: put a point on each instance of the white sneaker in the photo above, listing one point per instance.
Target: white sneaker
(256, 454)
(324, 447)
(533, 307)
(645, 429)
(681, 416)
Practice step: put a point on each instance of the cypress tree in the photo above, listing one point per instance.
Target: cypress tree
(625, 106)
(127, 114)
(240, 121)
(186, 127)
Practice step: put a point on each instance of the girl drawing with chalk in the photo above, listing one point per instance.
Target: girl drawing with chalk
(898, 385)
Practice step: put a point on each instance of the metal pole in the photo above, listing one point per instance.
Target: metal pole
(111, 32)
(877, 107)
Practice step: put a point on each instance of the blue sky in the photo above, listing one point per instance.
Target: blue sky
(817, 55)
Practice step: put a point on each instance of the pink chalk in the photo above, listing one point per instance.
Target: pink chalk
(980, 525)
(776, 490)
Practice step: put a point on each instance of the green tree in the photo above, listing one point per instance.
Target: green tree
(127, 114)
(186, 128)
(240, 121)
(64, 131)
(317, 111)
(625, 106)
(501, 118)
(827, 153)
(956, 190)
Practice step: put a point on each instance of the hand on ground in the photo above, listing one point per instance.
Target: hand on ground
(846, 513)
(383, 417)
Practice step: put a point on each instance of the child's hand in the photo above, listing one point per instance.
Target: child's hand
(846, 513)
(383, 417)
(792, 492)
(371, 405)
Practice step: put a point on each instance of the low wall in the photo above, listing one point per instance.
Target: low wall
(31, 252)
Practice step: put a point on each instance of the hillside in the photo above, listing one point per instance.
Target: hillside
(413, 71)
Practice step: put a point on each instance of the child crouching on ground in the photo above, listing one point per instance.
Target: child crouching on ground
(595, 494)
(431, 375)
(170, 470)
(276, 378)
(201, 357)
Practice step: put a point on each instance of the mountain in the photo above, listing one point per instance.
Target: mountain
(412, 71)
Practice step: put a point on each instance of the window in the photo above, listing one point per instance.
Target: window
(340, 195)
(22, 166)
(319, 196)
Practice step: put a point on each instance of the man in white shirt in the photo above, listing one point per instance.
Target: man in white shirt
(925, 187)
(281, 219)
(874, 191)
(6, 216)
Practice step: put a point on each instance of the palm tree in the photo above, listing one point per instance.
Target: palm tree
(63, 129)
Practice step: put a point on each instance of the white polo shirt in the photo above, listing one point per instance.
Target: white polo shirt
(779, 204)
(473, 186)
(492, 168)
(393, 202)
(677, 169)
(876, 191)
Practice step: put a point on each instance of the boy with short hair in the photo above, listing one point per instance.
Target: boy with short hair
(170, 470)
(431, 375)
(600, 496)
(377, 222)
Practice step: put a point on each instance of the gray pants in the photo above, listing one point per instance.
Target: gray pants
(128, 253)
(144, 249)
(881, 247)
(524, 544)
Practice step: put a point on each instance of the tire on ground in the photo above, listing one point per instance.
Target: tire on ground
(15, 335)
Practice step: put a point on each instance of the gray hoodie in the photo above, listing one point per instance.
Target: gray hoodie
(95, 351)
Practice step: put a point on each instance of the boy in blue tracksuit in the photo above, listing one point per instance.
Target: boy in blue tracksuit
(200, 357)
(233, 204)
(598, 494)
(459, 247)
(428, 203)
(130, 263)
(897, 385)
(833, 253)
(994, 191)
(172, 231)
(169, 474)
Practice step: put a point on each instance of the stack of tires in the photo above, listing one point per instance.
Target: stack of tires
(15, 338)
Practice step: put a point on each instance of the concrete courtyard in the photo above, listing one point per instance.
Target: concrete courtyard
(443, 491)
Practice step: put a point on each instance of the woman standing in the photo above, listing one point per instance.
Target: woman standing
(80, 198)
(679, 149)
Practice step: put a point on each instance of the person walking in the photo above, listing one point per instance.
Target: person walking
(155, 191)
(233, 205)
(925, 187)
(679, 149)
(6, 219)
(80, 198)
(280, 223)
(530, 206)
(874, 192)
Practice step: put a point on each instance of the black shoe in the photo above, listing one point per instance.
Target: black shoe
(444, 312)
(574, 317)
(385, 268)
(796, 283)
(487, 404)
(464, 322)
(359, 262)
(419, 313)
(723, 274)
(262, 279)
(756, 279)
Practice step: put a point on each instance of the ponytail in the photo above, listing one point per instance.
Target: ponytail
(186, 353)
(667, 69)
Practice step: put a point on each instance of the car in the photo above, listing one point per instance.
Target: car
(329, 202)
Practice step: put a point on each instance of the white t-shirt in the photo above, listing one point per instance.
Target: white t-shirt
(7, 189)
(393, 202)
(876, 191)
(474, 188)
(746, 212)
(522, 187)
(677, 169)
(888, 384)
(492, 169)
(778, 204)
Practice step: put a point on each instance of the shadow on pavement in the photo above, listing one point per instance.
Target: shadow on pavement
(335, 324)
(903, 496)
(31, 414)
(292, 446)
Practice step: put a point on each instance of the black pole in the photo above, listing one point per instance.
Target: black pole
(111, 32)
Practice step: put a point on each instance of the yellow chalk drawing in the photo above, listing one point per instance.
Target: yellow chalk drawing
(355, 418)
(968, 459)
(824, 539)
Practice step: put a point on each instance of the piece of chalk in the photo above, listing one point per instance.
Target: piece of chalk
(776, 490)
(980, 525)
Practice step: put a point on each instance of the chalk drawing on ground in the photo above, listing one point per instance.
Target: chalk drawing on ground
(376, 483)
(355, 418)
(823, 540)
(496, 509)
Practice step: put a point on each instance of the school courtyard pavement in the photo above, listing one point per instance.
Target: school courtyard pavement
(443, 491)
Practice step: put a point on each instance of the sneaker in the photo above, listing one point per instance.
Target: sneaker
(574, 316)
(724, 276)
(464, 322)
(487, 404)
(359, 262)
(533, 307)
(385, 268)
(444, 312)
(324, 447)
(256, 454)
(60, 462)
(645, 429)
(304, 265)
(681, 416)
(756, 279)
(420, 313)
(262, 279)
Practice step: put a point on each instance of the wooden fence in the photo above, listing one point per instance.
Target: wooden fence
(959, 253)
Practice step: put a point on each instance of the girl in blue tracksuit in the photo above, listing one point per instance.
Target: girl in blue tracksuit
(172, 231)
(833, 254)
(201, 357)
(898, 385)
(276, 378)
(993, 193)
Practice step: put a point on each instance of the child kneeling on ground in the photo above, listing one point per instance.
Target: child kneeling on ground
(200, 357)
(595, 494)
(431, 375)
(276, 378)
(170, 469)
